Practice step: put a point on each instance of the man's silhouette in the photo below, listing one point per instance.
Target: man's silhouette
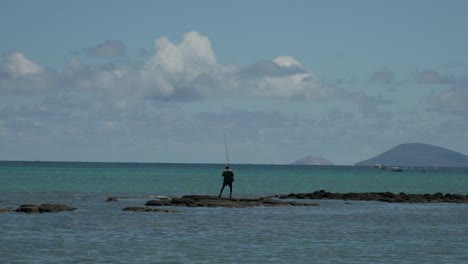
(228, 176)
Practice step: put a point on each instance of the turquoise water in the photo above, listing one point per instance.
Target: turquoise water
(334, 232)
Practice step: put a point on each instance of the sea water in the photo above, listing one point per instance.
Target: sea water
(333, 232)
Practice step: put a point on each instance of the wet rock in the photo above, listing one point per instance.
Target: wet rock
(147, 209)
(28, 208)
(214, 201)
(44, 208)
(382, 197)
(112, 199)
(164, 202)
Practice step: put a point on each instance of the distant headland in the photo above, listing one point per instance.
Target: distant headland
(312, 160)
(418, 155)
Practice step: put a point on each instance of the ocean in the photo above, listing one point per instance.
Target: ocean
(333, 232)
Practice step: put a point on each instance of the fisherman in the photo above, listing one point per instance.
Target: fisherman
(228, 176)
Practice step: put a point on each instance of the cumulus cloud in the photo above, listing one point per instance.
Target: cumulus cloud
(182, 71)
(107, 49)
(111, 78)
(283, 77)
(287, 62)
(271, 69)
(175, 71)
(16, 65)
(191, 57)
(278, 67)
(19, 74)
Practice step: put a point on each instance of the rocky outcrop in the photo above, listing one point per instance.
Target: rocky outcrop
(44, 208)
(147, 209)
(111, 199)
(6, 210)
(214, 201)
(382, 197)
(161, 202)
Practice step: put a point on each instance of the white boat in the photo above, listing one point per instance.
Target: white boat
(380, 166)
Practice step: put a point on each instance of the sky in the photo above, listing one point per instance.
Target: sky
(159, 81)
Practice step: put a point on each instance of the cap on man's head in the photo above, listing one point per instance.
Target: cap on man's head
(227, 167)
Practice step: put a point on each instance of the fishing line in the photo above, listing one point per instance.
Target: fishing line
(225, 146)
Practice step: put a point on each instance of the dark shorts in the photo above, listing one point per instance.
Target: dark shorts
(227, 183)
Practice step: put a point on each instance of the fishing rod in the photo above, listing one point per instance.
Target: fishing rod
(225, 146)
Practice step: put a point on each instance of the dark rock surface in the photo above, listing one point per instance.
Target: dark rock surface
(112, 199)
(382, 197)
(161, 202)
(214, 201)
(44, 208)
(147, 209)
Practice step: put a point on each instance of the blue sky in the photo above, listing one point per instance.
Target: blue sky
(154, 81)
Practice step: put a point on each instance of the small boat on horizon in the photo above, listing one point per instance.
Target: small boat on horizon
(380, 166)
(396, 169)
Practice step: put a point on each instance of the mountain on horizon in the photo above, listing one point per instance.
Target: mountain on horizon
(312, 160)
(418, 155)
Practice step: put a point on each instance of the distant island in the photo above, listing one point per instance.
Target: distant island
(418, 155)
(312, 160)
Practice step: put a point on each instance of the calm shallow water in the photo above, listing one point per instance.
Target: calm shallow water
(334, 232)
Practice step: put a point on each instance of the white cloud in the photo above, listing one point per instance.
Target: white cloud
(17, 65)
(107, 49)
(181, 71)
(135, 103)
(283, 77)
(191, 57)
(19, 74)
(286, 61)
(295, 85)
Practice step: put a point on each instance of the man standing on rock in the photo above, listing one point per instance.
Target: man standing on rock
(228, 176)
